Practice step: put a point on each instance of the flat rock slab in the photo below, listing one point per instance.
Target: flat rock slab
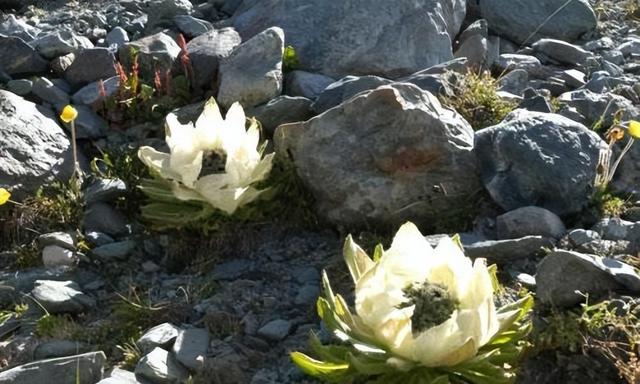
(86, 367)
(61, 296)
(510, 250)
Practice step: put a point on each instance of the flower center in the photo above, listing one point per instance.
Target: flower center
(433, 305)
(213, 162)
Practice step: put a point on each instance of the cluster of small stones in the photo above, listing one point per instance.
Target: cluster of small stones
(369, 139)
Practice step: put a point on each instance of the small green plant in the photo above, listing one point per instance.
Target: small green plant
(55, 207)
(608, 118)
(476, 99)
(222, 325)
(58, 327)
(290, 60)
(610, 327)
(59, 204)
(123, 163)
(131, 354)
(606, 169)
(632, 9)
(555, 104)
(17, 312)
(560, 330)
(139, 99)
(613, 206)
(27, 256)
(614, 331)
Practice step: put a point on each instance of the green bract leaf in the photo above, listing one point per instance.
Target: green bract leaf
(158, 190)
(323, 370)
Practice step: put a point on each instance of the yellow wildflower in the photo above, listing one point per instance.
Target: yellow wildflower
(634, 129)
(4, 196)
(68, 114)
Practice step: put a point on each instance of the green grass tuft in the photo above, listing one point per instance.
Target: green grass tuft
(476, 99)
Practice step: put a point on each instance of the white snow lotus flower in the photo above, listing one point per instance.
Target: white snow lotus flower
(189, 145)
(421, 313)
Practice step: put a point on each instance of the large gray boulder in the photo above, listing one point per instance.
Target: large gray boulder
(34, 150)
(526, 21)
(540, 159)
(252, 73)
(83, 369)
(384, 157)
(359, 37)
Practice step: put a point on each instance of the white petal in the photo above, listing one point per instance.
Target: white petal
(451, 268)
(247, 195)
(234, 131)
(186, 156)
(188, 165)
(378, 296)
(178, 134)
(215, 189)
(209, 126)
(448, 343)
(212, 183)
(357, 259)
(262, 170)
(479, 297)
(397, 335)
(183, 193)
(240, 166)
(158, 162)
(252, 138)
(410, 256)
